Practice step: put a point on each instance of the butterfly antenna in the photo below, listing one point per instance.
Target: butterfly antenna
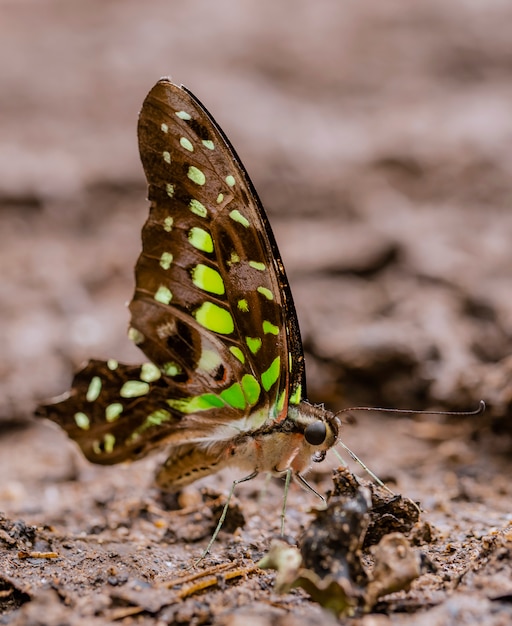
(375, 478)
(478, 411)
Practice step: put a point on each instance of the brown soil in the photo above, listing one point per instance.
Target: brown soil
(379, 137)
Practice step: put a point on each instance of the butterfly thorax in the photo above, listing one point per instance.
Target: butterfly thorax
(303, 436)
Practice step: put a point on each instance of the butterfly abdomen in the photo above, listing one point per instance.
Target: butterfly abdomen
(188, 463)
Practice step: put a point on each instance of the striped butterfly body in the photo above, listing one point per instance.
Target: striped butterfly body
(213, 313)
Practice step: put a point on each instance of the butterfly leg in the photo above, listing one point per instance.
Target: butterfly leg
(307, 486)
(224, 513)
(285, 497)
(304, 483)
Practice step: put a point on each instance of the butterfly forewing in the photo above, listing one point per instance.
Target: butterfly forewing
(209, 279)
(212, 308)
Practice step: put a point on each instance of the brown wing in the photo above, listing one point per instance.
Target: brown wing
(212, 308)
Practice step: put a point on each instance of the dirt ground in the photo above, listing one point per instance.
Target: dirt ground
(379, 137)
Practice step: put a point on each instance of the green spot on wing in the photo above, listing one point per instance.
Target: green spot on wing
(269, 376)
(198, 403)
(234, 396)
(196, 175)
(258, 266)
(236, 216)
(170, 192)
(265, 292)
(82, 421)
(269, 328)
(166, 260)
(112, 364)
(163, 294)
(164, 128)
(113, 411)
(207, 143)
(230, 180)
(168, 221)
(134, 389)
(135, 335)
(94, 389)
(251, 389)
(197, 208)
(171, 368)
(149, 372)
(280, 401)
(238, 353)
(207, 279)
(215, 318)
(156, 418)
(243, 305)
(185, 143)
(296, 396)
(253, 343)
(167, 156)
(109, 441)
(106, 446)
(200, 239)
(183, 115)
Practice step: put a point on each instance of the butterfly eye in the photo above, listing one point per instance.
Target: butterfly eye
(315, 433)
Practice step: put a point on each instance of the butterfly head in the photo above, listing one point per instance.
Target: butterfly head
(320, 429)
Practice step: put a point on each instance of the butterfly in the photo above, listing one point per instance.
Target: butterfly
(213, 313)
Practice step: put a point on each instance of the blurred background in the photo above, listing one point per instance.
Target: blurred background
(379, 136)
